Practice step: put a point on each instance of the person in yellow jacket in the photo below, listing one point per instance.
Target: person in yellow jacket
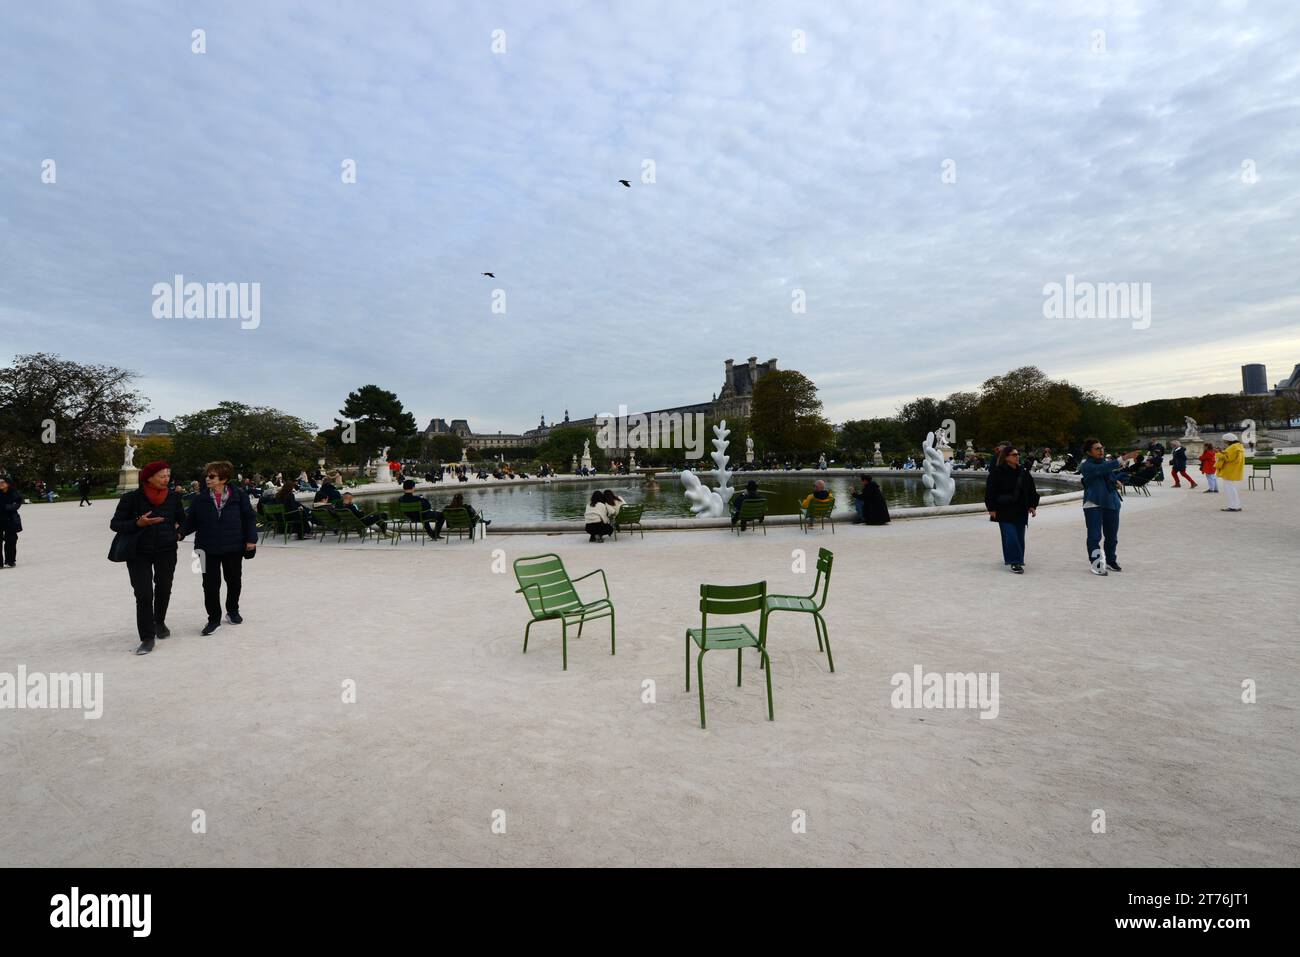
(1230, 466)
(819, 494)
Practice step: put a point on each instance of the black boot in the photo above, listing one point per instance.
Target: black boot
(160, 630)
(145, 647)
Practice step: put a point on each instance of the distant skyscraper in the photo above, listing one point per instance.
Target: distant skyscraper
(1254, 380)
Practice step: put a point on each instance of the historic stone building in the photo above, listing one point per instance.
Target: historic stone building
(734, 400)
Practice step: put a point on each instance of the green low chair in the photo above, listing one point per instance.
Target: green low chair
(629, 517)
(279, 521)
(458, 520)
(349, 524)
(810, 604)
(1262, 472)
(409, 516)
(729, 600)
(752, 512)
(326, 522)
(551, 596)
(817, 512)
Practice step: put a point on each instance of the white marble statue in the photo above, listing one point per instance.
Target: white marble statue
(877, 457)
(631, 461)
(706, 502)
(749, 450)
(128, 454)
(1191, 429)
(938, 481)
(586, 453)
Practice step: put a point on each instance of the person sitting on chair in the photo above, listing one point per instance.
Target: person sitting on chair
(427, 511)
(738, 500)
(374, 518)
(819, 494)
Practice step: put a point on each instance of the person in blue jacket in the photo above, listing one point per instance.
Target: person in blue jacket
(225, 528)
(1101, 503)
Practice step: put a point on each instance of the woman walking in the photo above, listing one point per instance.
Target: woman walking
(153, 514)
(1230, 465)
(1101, 503)
(1208, 458)
(1011, 498)
(225, 528)
(11, 500)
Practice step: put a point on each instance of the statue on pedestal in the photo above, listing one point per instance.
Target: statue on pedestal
(586, 453)
(749, 450)
(1192, 430)
(876, 457)
(128, 454)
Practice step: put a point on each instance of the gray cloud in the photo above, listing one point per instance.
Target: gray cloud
(775, 171)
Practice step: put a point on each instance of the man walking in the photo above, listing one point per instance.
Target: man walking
(1231, 468)
(1100, 505)
(1179, 465)
(83, 487)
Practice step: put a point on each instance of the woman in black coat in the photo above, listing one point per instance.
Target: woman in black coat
(153, 514)
(1010, 498)
(11, 523)
(225, 528)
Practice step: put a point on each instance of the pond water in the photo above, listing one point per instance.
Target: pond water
(565, 501)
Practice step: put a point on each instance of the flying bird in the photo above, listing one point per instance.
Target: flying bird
(626, 183)
(490, 275)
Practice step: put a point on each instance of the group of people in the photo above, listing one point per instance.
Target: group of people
(602, 510)
(1011, 498)
(153, 520)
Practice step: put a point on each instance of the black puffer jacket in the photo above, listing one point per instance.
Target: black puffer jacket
(1010, 492)
(224, 533)
(151, 538)
(10, 502)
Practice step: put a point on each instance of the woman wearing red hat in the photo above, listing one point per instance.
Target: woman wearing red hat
(153, 516)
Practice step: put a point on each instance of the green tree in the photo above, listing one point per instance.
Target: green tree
(565, 442)
(380, 420)
(254, 439)
(441, 447)
(857, 438)
(786, 416)
(1026, 407)
(58, 417)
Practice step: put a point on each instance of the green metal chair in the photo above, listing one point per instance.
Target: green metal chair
(326, 521)
(409, 517)
(752, 512)
(629, 517)
(809, 605)
(349, 524)
(729, 600)
(817, 512)
(279, 521)
(458, 520)
(551, 596)
(1265, 474)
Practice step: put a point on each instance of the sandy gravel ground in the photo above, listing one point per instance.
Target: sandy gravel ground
(1120, 694)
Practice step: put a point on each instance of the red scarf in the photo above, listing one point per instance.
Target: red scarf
(155, 495)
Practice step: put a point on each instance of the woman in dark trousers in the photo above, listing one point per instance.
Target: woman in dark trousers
(1010, 497)
(11, 500)
(225, 528)
(154, 514)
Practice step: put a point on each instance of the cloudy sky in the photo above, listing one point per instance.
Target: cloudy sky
(1150, 142)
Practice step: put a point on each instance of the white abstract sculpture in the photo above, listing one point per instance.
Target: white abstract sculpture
(939, 484)
(706, 502)
(128, 454)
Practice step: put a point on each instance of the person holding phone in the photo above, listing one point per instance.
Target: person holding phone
(225, 528)
(153, 514)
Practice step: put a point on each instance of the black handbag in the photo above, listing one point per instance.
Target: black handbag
(123, 547)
